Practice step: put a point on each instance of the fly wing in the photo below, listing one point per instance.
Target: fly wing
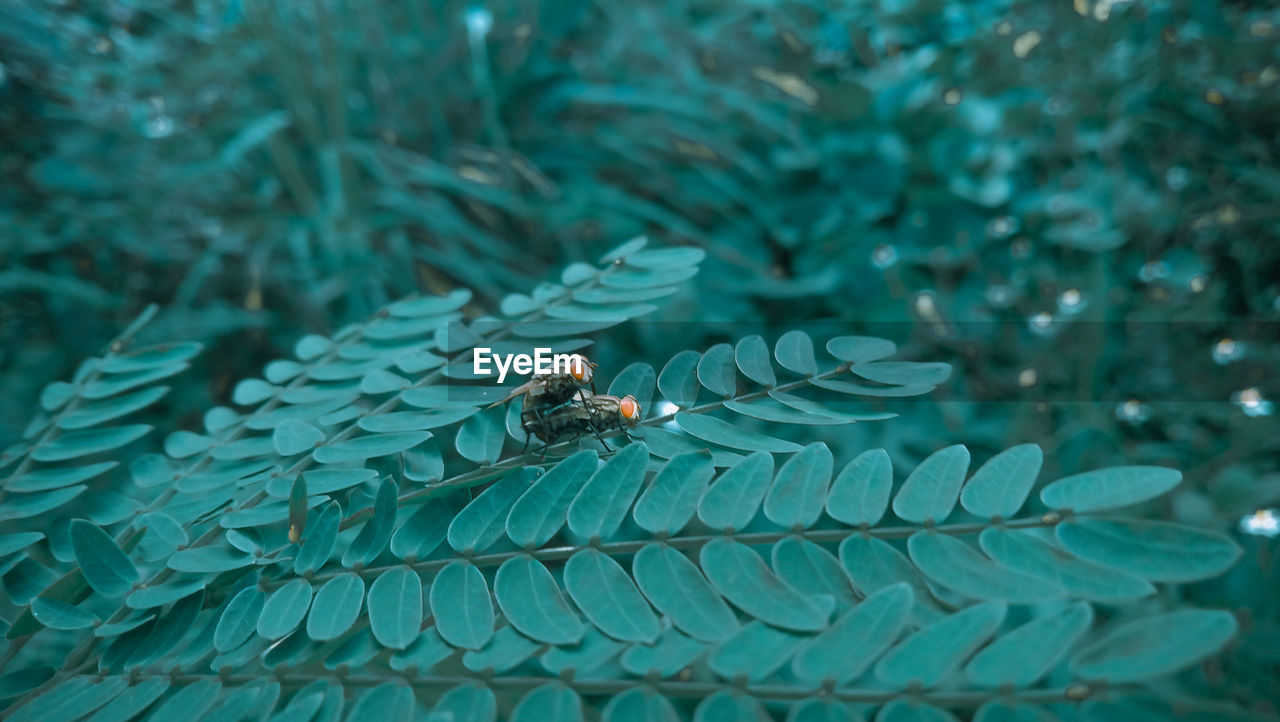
(522, 388)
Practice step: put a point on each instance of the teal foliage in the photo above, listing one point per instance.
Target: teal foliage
(945, 296)
(284, 559)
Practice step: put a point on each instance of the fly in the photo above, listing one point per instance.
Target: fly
(544, 393)
(584, 413)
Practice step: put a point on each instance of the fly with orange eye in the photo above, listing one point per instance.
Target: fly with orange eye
(586, 413)
(544, 393)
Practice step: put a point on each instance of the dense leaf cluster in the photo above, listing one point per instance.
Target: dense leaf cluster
(359, 538)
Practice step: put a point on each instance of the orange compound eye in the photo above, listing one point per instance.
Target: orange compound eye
(629, 407)
(580, 368)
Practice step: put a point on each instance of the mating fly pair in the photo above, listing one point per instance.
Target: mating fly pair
(557, 405)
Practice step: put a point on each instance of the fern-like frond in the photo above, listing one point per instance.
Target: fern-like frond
(606, 576)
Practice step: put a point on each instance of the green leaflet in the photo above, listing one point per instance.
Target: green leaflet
(676, 588)
(854, 641)
(148, 597)
(671, 499)
(151, 470)
(319, 541)
(531, 601)
(425, 652)
(105, 567)
(721, 432)
(733, 500)
(860, 493)
(30, 505)
(381, 381)
(678, 379)
(181, 444)
(930, 491)
(742, 577)
(461, 604)
(628, 280)
(902, 373)
(1154, 646)
(469, 703)
(56, 394)
(1000, 486)
(856, 389)
(540, 512)
(426, 529)
(294, 437)
(58, 477)
(507, 649)
(421, 306)
(252, 391)
(591, 652)
(335, 608)
(240, 703)
(639, 705)
(821, 710)
(638, 380)
(1109, 488)
(424, 463)
(666, 444)
(168, 631)
(369, 447)
(239, 619)
(672, 652)
(122, 382)
(100, 412)
(388, 702)
(376, 532)
(794, 351)
(606, 595)
(958, 566)
(903, 711)
(75, 444)
(151, 356)
(481, 437)
(795, 500)
(930, 654)
(328, 481)
(60, 615)
(812, 570)
(10, 543)
(190, 702)
(601, 505)
(1000, 711)
(755, 652)
(752, 356)
(285, 609)
(729, 707)
(1022, 656)
(549, 702)
(395, 607)
(1152, 550)
(873, 564)
(483, 521)
(353, 651)
(624, 249)
(1025, 552)
(129, 703)
(416, 420)
(681, 257)
(72, 699)
(297, 509)
(209, 559)
(860, 349)
(715, 370)
(812, 415)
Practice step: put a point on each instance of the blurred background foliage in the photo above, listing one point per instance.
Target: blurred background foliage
(1074, 203)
